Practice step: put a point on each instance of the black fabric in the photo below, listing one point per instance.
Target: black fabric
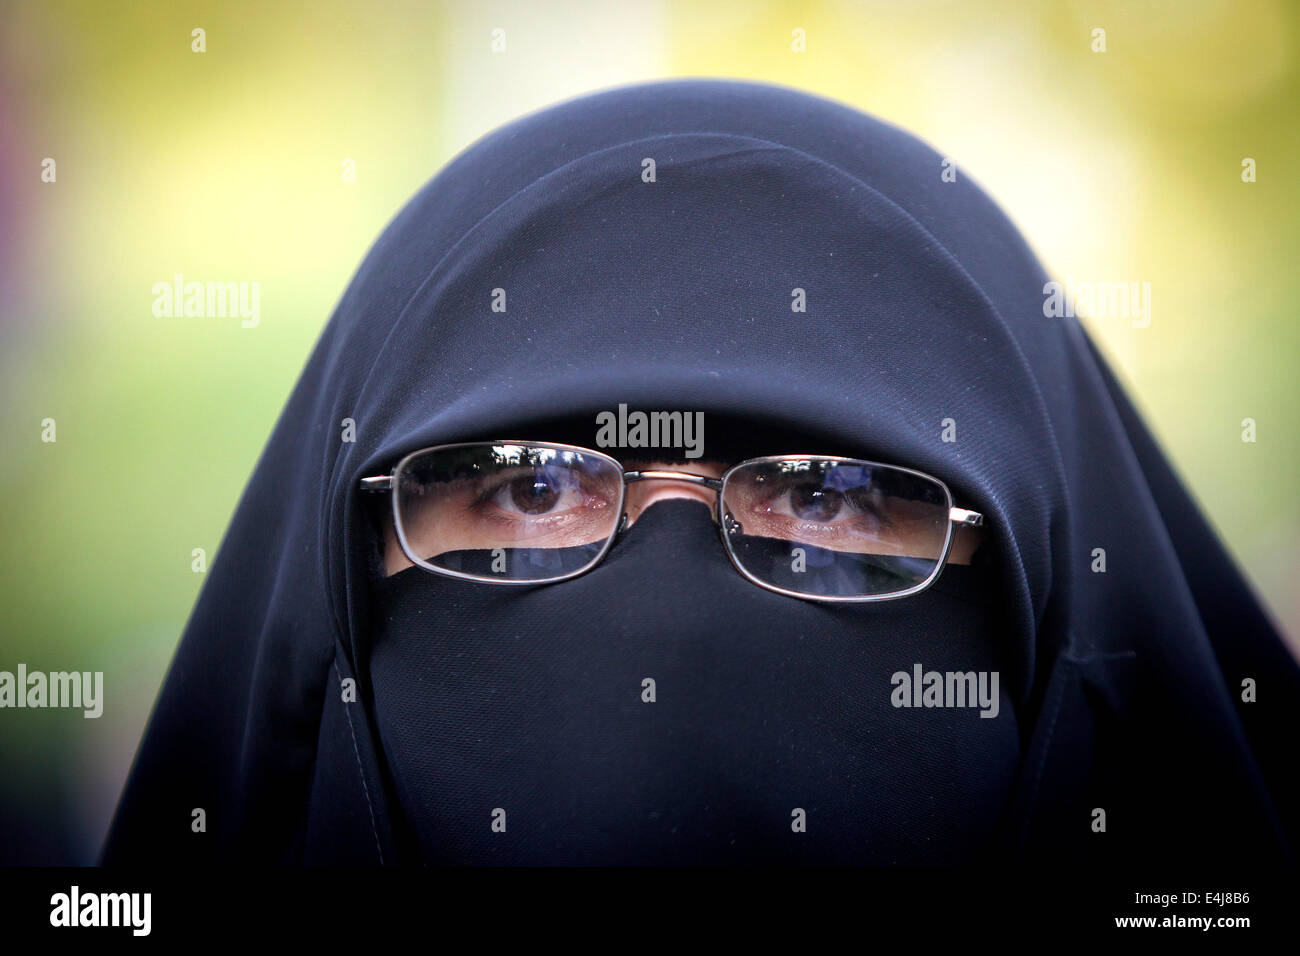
(533, 702)
(924, 306)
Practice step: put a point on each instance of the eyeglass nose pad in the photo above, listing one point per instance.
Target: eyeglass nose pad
(731, 525)
(622, 526)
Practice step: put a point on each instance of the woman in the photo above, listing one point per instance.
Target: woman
(801, 277)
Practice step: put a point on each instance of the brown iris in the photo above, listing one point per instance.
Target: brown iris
(534, 494)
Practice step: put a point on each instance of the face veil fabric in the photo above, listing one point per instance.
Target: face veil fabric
(768, 714)
(320, 713)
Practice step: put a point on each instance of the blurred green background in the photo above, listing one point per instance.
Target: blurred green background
(228, 165)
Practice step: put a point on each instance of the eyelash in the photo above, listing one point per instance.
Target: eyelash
(484, 498)
(852, 499)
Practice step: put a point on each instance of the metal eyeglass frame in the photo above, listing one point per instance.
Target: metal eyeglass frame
(957, 517)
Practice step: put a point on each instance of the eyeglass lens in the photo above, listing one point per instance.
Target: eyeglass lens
(509, 512)
(835, 529)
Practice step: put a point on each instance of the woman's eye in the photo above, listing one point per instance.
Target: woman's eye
(812, 502)
(816, 503)
(530, 494)
(534, 494)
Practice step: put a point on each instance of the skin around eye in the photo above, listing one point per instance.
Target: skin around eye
(810, 505)
(478, 515)
(535, 492)
(854, 520)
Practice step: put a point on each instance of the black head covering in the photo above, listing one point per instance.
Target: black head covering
(1122, 689)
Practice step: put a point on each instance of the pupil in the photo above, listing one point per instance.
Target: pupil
(533, 494)
(814, 503)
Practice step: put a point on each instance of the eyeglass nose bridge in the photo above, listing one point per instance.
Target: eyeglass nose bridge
(686, 476)
(714, 483)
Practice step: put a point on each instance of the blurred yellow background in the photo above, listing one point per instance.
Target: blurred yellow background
(1123, 165)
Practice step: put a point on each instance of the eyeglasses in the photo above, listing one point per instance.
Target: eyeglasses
(820, 527)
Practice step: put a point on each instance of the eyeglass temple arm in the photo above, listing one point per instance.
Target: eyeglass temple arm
(961, 516)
